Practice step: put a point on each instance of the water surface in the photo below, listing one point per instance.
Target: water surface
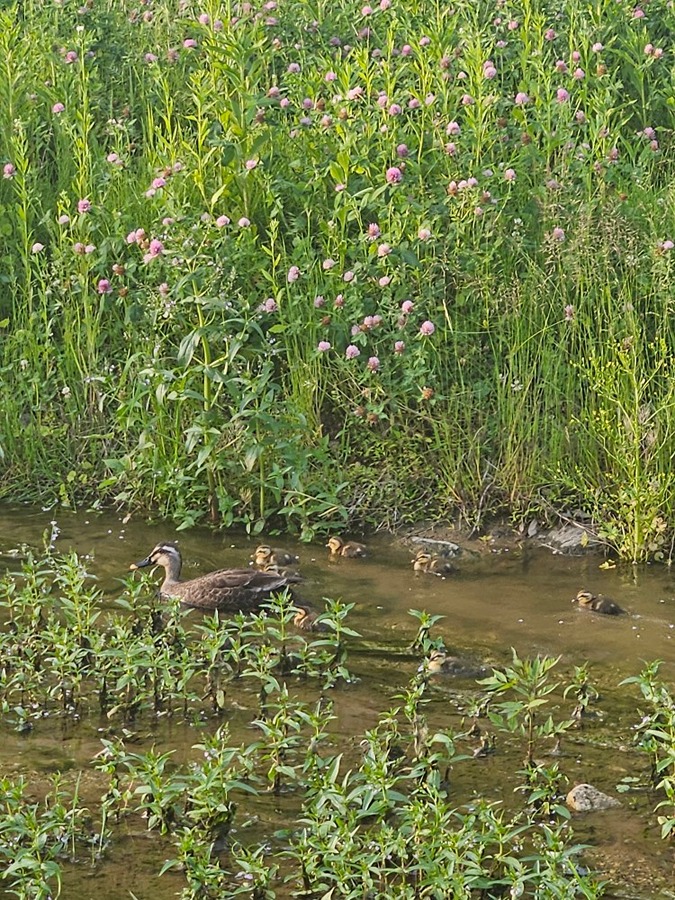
(518, 598)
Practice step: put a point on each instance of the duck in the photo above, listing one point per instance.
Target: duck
(232, 590)
(340, 547)
(440, 662)
(265, 555)
(431, 565)
(306, 620)
(598, 603)
(292, 574)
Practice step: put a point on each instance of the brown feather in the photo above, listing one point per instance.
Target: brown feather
(233, 590)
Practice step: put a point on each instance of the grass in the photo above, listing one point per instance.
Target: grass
(262, 183)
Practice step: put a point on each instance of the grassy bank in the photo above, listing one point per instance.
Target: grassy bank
(314, 263)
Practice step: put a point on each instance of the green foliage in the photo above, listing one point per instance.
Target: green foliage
(656, 738)
(482, 213)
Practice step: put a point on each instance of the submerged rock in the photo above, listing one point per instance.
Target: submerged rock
(586, 798)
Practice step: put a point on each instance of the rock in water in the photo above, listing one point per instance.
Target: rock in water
(586, 798)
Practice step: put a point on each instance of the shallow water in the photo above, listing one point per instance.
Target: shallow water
(497, 601)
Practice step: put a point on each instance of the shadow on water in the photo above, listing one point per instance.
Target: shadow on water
(514, 599)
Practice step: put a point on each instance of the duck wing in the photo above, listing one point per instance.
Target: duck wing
(233, 589)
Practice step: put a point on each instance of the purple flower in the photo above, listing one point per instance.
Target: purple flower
(104, 286)
(250, 164)
(8, 170)
(63, 220)
(666, 245)
(384, 281)
(394, 175)
(79, 248)
(37, 247)
(293, 68)
(159, 183)
(348, 276)
(550, 34)
(373, 363)
(89, 248)
(424, 234)
(269, 306)
(558, 234)
(402, 150)
(399, 347)
(327, 264)
(509, 175)
(569, 313)
(597, 47)
(244, 222)
(522, 98)
(293, 274)
(352, 351)
(579, 74)
(222, 221)
(561, 95)
(427, 328)
(319, 302)
(383, 250)
(189, 43)
(323, 346)
(394, 110)
(339, 301)
(453, 129)
(407, 307)
(84, 205)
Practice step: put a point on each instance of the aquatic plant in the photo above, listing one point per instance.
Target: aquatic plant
(655, 736)
(529, 683)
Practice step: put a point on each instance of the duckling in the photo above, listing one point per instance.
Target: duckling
(306, 620)
(598, 603)
(440, 662)
(265, 555)
(487, 746)
(431, 565)
(232, 590)
(281, 570)
(339, 547)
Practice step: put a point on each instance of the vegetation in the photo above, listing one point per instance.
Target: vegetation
(394, 813)
(298, 262)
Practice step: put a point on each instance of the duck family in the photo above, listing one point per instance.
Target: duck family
(245, 589)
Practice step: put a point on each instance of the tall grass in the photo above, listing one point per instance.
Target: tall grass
(477, 201)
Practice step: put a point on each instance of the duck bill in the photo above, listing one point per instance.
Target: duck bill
(140, 565)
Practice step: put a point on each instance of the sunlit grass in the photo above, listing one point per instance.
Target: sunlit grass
(331, 254)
